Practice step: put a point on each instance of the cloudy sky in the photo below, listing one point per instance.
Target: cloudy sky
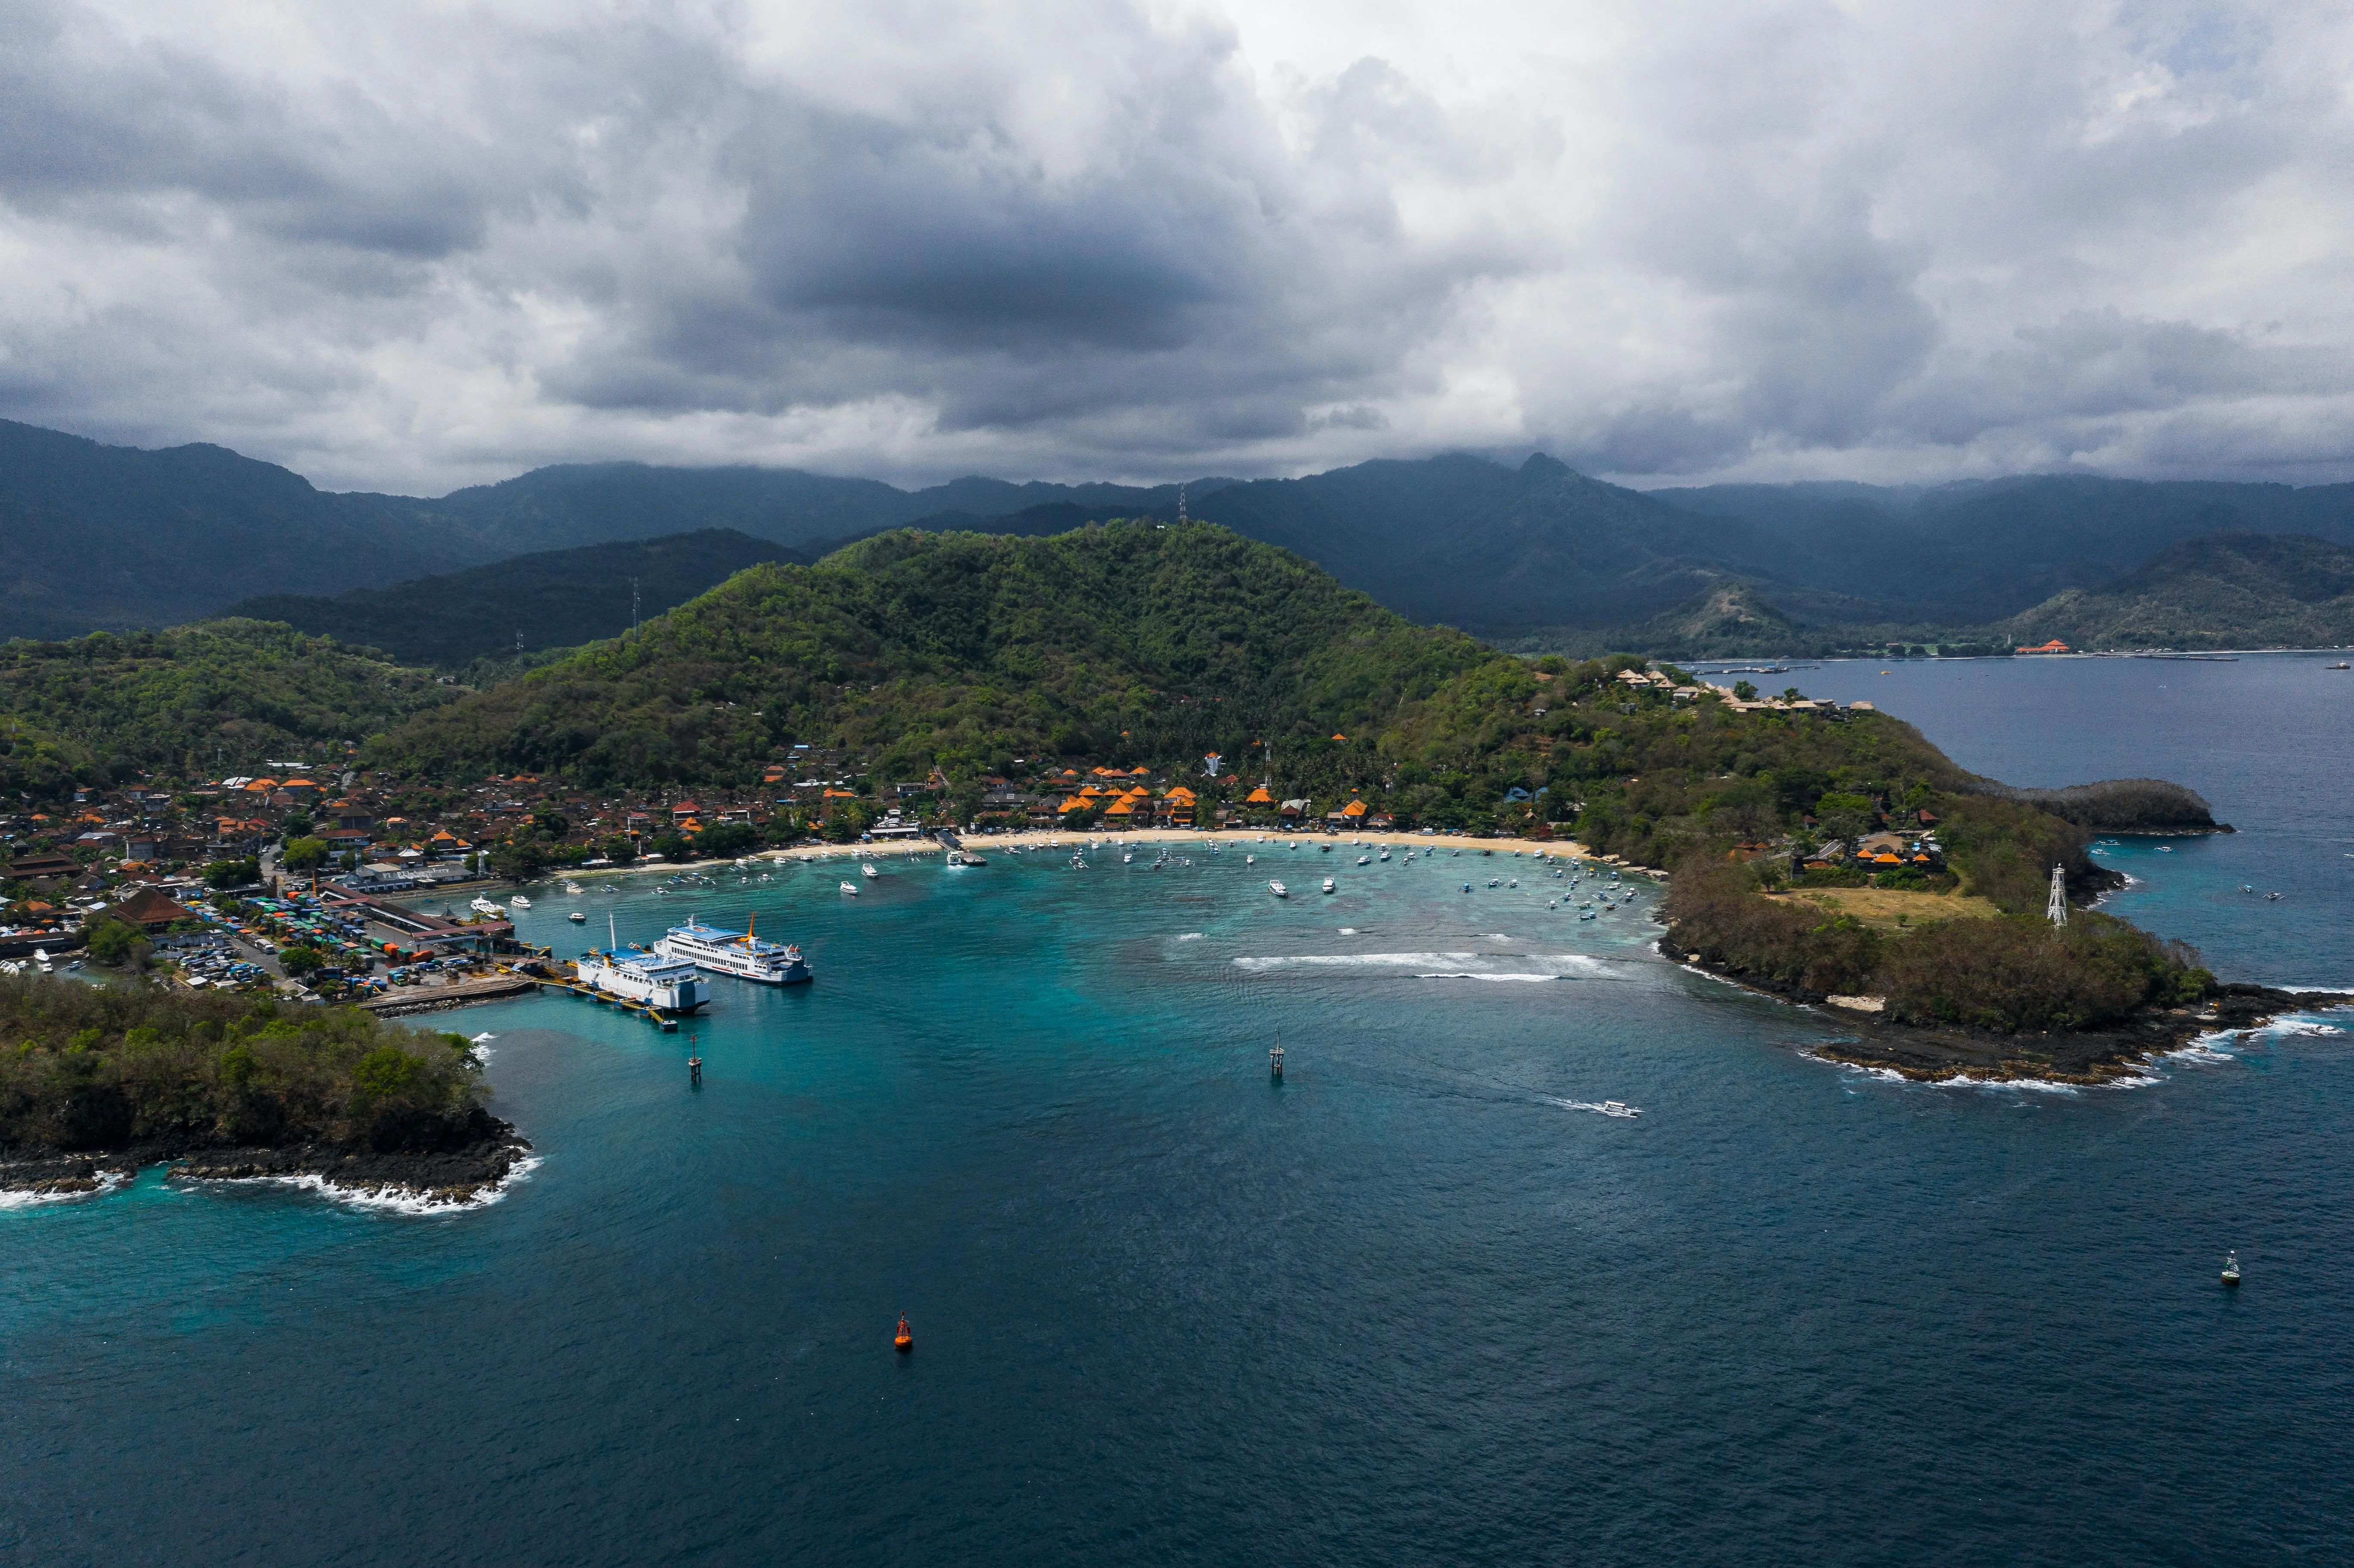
(411, 246)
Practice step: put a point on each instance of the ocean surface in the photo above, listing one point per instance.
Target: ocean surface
(1410, 1305)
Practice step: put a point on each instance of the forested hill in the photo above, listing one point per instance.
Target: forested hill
(965, 651)
(2225, 590)
(195, 701)
(553, 599)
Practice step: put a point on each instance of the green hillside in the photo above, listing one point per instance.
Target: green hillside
(215, 697)
(965, 651)
(554, 599)
(2225, 590)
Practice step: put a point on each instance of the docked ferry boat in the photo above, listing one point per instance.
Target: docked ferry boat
(739, 953)
(664, 984)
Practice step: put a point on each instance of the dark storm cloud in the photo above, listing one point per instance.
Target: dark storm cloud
(403, 246)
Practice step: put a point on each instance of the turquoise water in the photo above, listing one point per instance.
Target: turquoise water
(1407, 1306)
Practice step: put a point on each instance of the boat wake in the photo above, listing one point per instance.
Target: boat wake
(1442, 966)
(1607, 1107)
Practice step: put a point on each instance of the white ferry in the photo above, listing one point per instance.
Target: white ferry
(664, 984)
(739, 953)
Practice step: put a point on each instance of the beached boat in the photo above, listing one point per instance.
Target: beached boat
(1278, 890)
(739, 953)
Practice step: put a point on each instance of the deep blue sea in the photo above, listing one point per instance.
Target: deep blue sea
(1408, 1305)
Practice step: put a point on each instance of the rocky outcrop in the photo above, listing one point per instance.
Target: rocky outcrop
(460, 1169)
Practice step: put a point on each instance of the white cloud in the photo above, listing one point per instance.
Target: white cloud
(413, 246)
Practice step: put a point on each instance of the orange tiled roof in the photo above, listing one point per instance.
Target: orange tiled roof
(1259, 796)
(1120, 808)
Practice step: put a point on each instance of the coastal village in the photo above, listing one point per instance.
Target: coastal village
(313, 878)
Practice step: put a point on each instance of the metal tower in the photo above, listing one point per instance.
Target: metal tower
(2057, 910)
(1181, 503)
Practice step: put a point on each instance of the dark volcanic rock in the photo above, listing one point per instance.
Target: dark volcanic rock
(459, 1168)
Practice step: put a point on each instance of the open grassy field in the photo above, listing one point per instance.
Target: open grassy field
(1880, 907)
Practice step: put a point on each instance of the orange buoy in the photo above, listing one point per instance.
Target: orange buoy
(902, 1341)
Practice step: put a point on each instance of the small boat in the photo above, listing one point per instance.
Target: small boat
(520, 902)
(851, 888)
(902, 1341)
(1250, 860)
(2231, 1268)
(1126, 856)
(1364, 860)
(486, 907)
(573, 888)
(2272, 895)
(577, 918)
(868, 870)
(2341, 664)
(1278, 890)
(1386, 854)
(1327, 885)
(1618, 1107)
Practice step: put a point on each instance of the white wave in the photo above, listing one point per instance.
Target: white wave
(1190, 936)
(108, 1180)
(1348, 930)
(1544, 966)
(2024, 1086)
(1492, 975)
(390, 1199)
(2308, 1028)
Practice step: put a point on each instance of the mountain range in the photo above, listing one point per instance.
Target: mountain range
(1535, 555)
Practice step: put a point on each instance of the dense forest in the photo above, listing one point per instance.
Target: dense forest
(554, 599)
(965, 652)
(196, 701)
(105, 1066)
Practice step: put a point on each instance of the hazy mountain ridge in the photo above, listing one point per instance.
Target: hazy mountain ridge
(2222, 590)
(115, 537)
(550, 598)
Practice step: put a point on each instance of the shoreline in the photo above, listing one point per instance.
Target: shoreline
(473, 1174)
(2081, 1059)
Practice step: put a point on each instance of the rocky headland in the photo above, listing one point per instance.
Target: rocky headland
(465, 1165)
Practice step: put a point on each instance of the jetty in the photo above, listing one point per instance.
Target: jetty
(416, 998)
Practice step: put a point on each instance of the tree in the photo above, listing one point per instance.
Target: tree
(620, 849)
(301, 961)
(298, 824)
(232, 872)
(1746, 691)
(304, 854)
(116, 943)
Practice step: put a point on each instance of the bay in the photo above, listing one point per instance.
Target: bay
(1408, 1305)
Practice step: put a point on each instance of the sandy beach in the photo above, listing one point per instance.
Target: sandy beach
(1248, 840)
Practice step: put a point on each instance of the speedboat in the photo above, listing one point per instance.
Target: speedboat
(868, 870)
(1364, 860)
(572, 887)
(520, 902)
(577, 918)
(1278, 890)
(1386, 854)
(851, 888)
(1250, 860)
(1327, 885)
(1618, 1107)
